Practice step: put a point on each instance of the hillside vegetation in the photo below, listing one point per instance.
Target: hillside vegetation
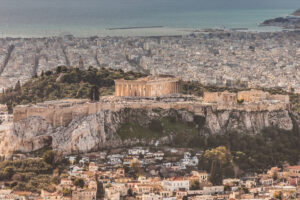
(33, 174)
(69, 82)
(65, 82)
(250, 153)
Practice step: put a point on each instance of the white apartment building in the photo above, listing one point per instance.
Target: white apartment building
(174, 184)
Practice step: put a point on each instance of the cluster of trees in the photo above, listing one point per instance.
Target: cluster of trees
(33, 174)
(65, 82)
(250, 153)
(234, 154)
(219, 162)
(79, 182)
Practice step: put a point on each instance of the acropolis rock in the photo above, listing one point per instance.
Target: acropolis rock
(79, 126)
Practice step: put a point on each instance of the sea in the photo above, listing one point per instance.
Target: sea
(84, 18)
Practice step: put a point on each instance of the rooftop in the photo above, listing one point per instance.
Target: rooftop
(294, 167)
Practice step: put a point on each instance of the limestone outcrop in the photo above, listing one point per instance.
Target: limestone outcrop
(100, 130)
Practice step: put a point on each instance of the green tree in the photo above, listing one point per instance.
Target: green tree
(49, 157)
(18, 86)
(195, 185)
(66, 192)
(59, 69)
(155, 126)
(55, 180)
(219, 163)
(100, 190)
(8, 172)
(79, 182)
(48, 73)
(130, 192)
(136, 168)
(94, 93)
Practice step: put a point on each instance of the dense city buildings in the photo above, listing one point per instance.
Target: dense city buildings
(151, 175)
(76, 127)
(212, 114)
(215, 57)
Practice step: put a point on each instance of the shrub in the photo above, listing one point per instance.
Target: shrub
(49, 157)
(156, 126)
(66, 192)
(55, 180)
(79, 182)
(8, 172)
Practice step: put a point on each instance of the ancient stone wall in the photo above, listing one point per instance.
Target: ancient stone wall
(281, 98)
(61, 113)
(222, 98)
(253, 96)
(58, 114)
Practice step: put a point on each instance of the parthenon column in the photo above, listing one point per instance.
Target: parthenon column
(121, 89)
(117, 89)
(124, 89)
(173, 87)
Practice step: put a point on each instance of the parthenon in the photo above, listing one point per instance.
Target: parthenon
(150, 86)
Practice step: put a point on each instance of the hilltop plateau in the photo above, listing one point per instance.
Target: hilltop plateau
(73, 126)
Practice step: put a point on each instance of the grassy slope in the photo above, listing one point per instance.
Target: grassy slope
(166, 127)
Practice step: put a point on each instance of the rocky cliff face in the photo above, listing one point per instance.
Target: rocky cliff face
(100, 130)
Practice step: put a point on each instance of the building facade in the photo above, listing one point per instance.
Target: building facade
(151, 86)
(174, 184)
(226, 98)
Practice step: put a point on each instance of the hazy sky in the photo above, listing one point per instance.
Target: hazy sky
(276, 4)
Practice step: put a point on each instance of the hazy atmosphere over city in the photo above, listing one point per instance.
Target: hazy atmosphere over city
(150, 100)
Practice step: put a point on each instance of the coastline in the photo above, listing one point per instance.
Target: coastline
(134, 27)
(141, 32)
(248, 20)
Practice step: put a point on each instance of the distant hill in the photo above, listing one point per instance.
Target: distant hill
(296, 13)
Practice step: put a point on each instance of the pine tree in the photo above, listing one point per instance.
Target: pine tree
(94, 93)
(18, 86)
